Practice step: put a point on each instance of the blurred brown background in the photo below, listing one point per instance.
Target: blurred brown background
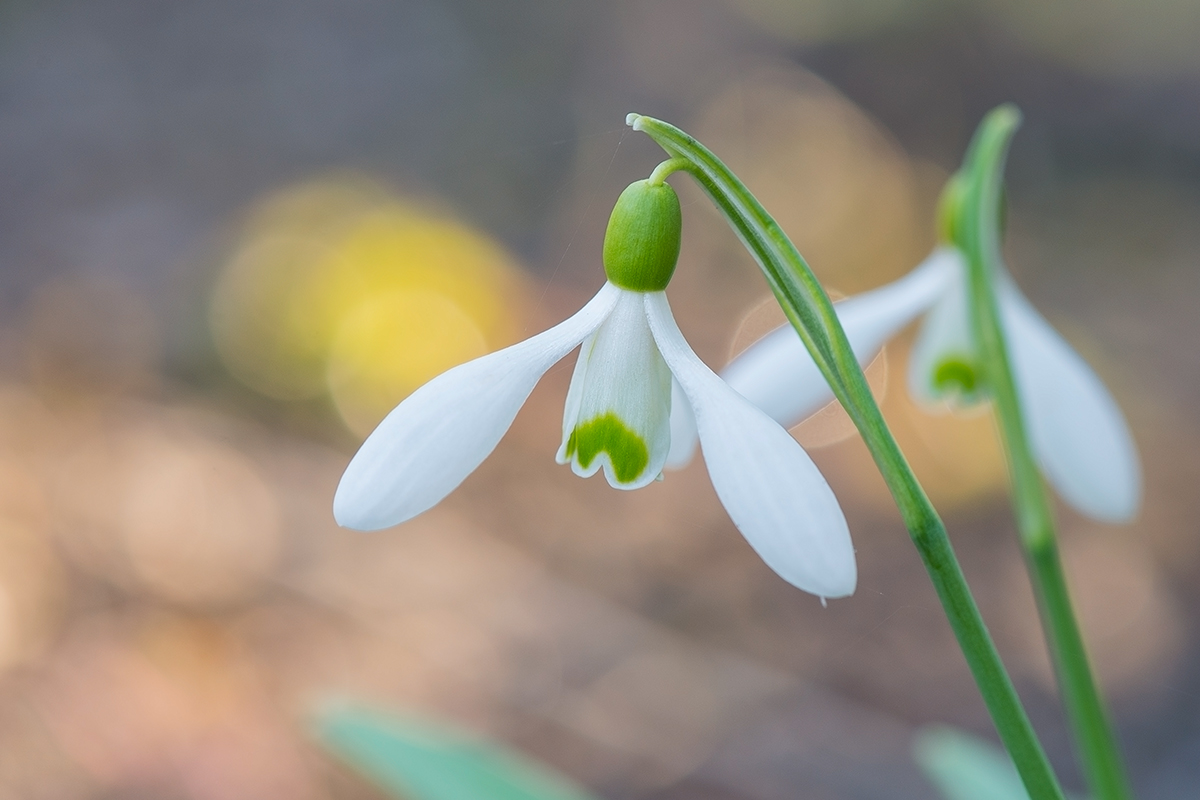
(233, 234)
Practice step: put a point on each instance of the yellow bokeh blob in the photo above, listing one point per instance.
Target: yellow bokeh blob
(258, 325)
(338, 286)
(389, 345)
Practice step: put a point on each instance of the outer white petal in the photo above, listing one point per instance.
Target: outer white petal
(779, 376)
(946, 337)
(434, 439)
(619, 404)
(773, 492)
(1078, 433)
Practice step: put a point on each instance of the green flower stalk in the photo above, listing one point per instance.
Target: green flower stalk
(976, 211)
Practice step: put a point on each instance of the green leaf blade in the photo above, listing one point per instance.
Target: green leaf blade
(419, 759)
(965, 768)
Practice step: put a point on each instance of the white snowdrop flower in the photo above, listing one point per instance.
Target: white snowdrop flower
(634, 364)
(1077, 432)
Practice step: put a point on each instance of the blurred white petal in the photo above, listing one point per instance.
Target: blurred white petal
(873, 317)
(1077, 431)
(773, 492)
(779, 376)
(434, 439)
(619, 402)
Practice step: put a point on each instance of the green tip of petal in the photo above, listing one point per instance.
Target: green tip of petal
(627, 452)
(641, 245)
(956, 375)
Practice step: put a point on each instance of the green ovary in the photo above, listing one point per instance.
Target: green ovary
(627, 452)
(955, 373)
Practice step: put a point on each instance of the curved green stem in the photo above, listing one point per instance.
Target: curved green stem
(979, 237)
(664, 169)
(810, 311)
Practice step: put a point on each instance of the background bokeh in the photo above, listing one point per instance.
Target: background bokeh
(233, 234)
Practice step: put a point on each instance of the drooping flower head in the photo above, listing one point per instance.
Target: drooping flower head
(633, 365)
(1076, 429)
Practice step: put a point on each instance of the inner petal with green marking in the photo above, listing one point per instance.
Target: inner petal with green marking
(617, 416)
(627, 452)
(956, 375)
(942, 364)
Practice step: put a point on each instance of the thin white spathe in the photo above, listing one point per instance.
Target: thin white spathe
(773, 492)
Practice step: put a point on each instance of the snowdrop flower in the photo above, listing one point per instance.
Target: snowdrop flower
(633, 365)
(1078, 434)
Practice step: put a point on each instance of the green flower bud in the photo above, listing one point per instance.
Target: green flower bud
(641, 245)
(949, 213)
(950, 210)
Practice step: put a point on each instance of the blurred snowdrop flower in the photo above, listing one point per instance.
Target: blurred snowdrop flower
(1079, 436)
(633, 365)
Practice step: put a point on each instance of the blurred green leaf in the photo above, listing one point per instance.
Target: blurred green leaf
(963, 767)
(420, 759)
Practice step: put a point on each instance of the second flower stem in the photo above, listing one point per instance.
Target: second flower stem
(979, 230)
(1085, 707)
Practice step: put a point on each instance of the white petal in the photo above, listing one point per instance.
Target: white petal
(773, 492)
(434, 439)
(1077, 431)
(619, 404)
(683, 429)
(941, 366)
